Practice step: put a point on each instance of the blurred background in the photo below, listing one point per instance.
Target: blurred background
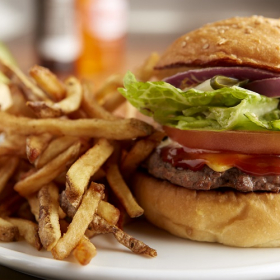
(100, 37)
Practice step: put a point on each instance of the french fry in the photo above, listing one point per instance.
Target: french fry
(8, 231)
(31, 90)
(8, 166)
(49, 228)
(122, 191)
(98, 175)
(48, 109)
(108, 212)
(90, 233)
(105, 209)
(48, 81)
(92, 107)
(110, 85)
(79, 174)
(55, 147)
(33, 202)
(119, 130)
(46, 174)
(36, 144)
(28, 230)
(136, 246)
(139, 152)
(18, 106)
(9, 150)
(84, 251)
(13, 145)
(80, 222)
(61, 213)
(114, 102)
(5, 97)
(146, 71)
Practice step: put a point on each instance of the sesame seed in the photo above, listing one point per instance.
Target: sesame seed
(206, 46)
(221, 42)
(184, 43)
(248, 30)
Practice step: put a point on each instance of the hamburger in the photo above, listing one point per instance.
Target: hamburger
(216, 178)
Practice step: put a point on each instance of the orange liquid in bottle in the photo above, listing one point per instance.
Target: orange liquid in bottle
(102, 25)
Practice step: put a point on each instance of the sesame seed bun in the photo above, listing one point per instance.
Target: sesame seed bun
(252, 41)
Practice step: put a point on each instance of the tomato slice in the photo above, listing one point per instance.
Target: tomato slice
(245, 142)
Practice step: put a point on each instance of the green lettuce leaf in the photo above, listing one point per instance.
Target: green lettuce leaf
(228, 108)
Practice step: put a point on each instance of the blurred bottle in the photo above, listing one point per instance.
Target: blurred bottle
(57, 42)
(103, 26)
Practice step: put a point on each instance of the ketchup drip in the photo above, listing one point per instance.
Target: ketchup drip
(185, 158)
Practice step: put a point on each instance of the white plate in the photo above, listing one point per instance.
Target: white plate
(177, 259)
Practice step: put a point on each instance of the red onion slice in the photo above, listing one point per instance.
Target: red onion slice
(268, 87)
(197, 76)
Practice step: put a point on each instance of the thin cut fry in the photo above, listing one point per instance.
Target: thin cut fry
(108, 212)
(48, 109)
(46, 174)
(80, 222)
(13, 145)
(139, 152)
(136, 246)
(54, 148)
(8, 231)
(57, 140)
(84, 251)
(33, 202)
(119, 130)
(122, 191)
(8, 166)
(79, 174)
(92, 107)
(18, 107)
(114, 102)
(146, 71)
(49, 228)
(36, 144)
(5, 97)
(111, 85)
(48, 81)
(33, 92)
(28, 230)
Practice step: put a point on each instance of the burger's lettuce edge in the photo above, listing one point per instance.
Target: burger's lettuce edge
(229, 108)
(7, 57)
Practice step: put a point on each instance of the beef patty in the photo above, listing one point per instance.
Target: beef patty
(207, 179)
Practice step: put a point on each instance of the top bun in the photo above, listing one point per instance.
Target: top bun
(251, 41)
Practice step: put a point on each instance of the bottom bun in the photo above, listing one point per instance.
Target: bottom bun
(227, 217)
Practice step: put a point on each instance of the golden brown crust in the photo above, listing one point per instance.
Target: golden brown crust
(229, 217)
(252, 41)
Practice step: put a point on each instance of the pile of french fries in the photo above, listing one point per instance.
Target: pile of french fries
(64, 158)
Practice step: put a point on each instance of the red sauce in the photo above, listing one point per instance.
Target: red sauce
(186, 158)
